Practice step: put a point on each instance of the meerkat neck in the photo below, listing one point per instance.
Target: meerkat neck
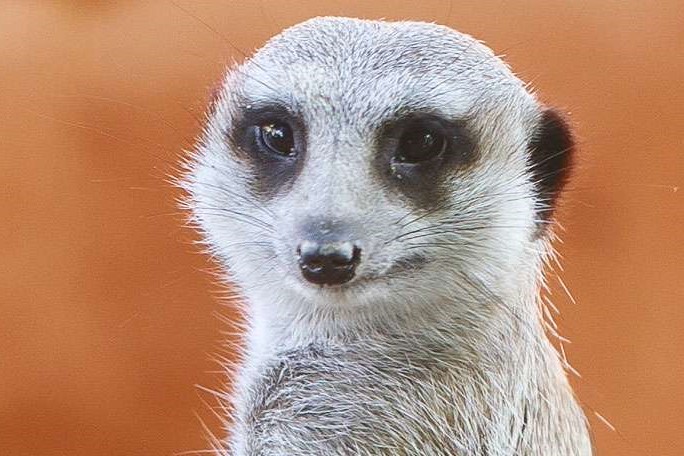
(500, 378)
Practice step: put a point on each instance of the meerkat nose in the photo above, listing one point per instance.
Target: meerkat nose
(328, 263)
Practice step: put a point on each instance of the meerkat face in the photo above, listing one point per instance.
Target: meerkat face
(354, 162)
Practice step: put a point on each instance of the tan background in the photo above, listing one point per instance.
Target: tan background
(107, 311)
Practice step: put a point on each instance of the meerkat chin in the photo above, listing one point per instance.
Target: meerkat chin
(382, 194)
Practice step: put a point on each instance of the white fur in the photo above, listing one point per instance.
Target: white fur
(451, 359)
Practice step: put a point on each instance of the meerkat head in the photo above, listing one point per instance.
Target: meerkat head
(368, 163)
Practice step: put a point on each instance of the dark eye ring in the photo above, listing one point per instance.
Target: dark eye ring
(277, 137)
(419, 143)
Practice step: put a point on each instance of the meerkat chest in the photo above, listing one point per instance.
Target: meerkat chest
(365, 403)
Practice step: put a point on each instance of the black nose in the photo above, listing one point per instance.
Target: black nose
(331, 263)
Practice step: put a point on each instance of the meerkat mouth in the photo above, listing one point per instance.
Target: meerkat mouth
(402, 268)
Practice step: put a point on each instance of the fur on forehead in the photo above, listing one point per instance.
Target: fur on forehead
(362, 72)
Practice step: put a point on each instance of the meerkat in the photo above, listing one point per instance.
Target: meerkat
(382, 196)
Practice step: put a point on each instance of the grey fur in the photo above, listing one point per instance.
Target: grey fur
(448, 358)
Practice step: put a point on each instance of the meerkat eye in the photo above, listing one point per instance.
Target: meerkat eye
(277, 137)
(419, 143)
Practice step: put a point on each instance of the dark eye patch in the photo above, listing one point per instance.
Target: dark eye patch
(418, 151)
(272, 140)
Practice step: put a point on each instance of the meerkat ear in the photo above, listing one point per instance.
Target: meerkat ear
(551, 154)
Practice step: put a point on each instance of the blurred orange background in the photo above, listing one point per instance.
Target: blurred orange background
(107, 310)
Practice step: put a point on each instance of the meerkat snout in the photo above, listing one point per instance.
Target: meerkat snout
(328, 263)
